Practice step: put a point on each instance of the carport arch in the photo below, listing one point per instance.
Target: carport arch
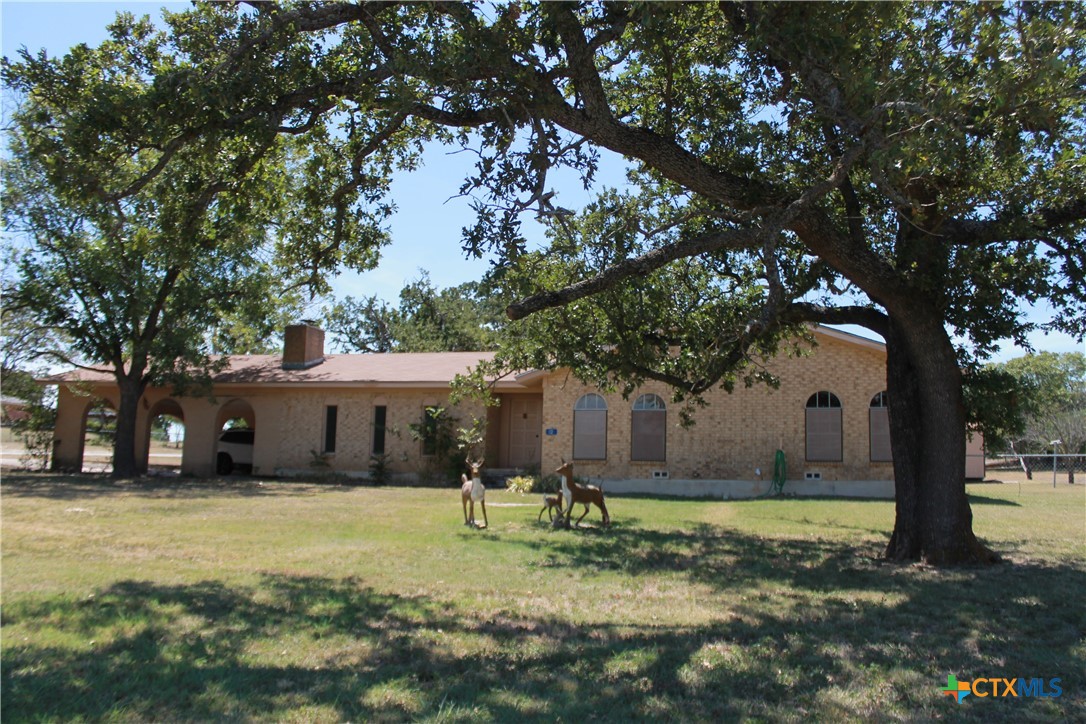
(235, 409)
(169, 407)
(93, 403)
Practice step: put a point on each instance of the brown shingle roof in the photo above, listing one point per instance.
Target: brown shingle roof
(418, 368)
(433, 369)
(391, 368)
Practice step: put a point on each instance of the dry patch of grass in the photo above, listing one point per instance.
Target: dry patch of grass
(197, 601)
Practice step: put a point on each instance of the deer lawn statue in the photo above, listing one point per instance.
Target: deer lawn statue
(550, 502)
(472, 491)
(575, 493)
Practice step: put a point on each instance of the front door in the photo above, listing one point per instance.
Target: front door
(525, 423)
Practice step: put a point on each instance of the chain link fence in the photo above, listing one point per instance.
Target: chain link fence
(1058, 468)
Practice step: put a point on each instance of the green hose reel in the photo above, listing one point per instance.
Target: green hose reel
(780, 473)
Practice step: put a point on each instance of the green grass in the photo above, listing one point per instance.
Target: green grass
(295, 602)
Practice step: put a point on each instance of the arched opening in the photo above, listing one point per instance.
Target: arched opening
(99, 432)
(165, 438)
(235, 438)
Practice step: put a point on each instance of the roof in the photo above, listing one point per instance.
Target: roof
(400, 369)
(851, 338)
(392, 369)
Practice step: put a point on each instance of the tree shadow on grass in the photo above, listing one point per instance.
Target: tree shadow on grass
(83, 487)
(975, 499)
(810, 629)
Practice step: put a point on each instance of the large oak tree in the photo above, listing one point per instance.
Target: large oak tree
(465, 318)
(142, 272)
(913, 168)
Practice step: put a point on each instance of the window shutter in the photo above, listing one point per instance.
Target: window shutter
(824, 434)
(649, 435)
(880, 435)
(590, 435)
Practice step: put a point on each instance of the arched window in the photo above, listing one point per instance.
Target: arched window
(648, 426)
(590, 428)
(591, 401)
(824, 439)
(879, 426)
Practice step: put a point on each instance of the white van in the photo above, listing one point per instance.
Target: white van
(235, 451)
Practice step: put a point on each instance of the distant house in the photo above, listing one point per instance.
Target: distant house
(12, 409)
(828, 416)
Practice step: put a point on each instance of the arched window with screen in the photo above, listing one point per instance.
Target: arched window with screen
(824, 439)
(590, 428)
(879, 425)
(648, 426)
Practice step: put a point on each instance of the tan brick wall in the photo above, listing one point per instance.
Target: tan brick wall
(296, 430)
(738, 432)
(733, 436)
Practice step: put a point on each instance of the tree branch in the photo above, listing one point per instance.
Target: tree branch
(471, 119)
(581, 60)
(970, 232)
(867, 317)
(638, 266)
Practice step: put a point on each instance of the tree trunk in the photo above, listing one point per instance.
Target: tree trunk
(905, 426)
(927, 422)
(124, 443)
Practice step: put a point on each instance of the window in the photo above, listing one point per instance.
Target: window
(590, 428)
(824, 440)
(380, 415)
(331, 415)
(879, 426)
(648, 426)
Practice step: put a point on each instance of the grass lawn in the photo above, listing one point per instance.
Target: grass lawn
(298, 602)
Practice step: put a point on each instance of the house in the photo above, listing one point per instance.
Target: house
(12, 409)
(308, 408)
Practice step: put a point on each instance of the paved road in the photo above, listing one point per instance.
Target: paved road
(95, 459)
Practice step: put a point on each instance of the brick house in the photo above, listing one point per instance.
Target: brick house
(828, 416)
(12, 409)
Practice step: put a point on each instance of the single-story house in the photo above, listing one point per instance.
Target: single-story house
(12, 409)
(306, 407)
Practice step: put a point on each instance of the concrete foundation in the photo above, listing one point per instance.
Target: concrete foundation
(740, 489)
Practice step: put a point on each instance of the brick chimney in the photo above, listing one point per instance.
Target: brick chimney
(303, 346)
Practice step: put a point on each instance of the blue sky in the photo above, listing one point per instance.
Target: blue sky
(426, 228)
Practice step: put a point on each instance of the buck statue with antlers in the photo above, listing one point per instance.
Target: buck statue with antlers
(574, 493)
(472, 491)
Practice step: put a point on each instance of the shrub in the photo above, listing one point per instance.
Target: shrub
(522, 484)
(379, 471)
(444, 445)
(534, 484)
(550, 484)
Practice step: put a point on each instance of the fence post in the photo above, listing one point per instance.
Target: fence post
(1055, 462)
